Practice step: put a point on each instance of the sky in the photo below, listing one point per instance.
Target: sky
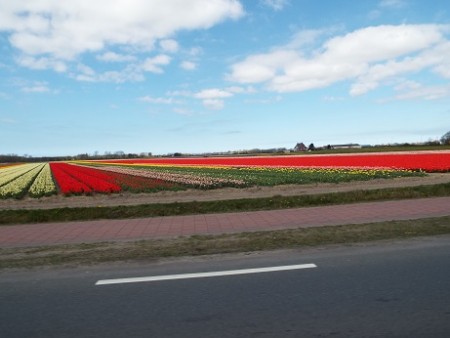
(165, 76)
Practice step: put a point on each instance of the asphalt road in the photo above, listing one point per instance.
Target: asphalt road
(393, 289)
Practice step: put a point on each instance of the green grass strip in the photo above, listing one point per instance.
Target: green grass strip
(189, 208)
(230, 243)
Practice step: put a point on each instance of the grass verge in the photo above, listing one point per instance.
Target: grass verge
(248, 204)
(230, 243)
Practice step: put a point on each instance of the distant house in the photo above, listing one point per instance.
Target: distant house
(346, 146)
(300, 147)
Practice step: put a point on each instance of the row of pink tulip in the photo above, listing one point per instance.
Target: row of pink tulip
(193, 180)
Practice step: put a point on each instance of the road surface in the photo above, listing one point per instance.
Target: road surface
(389, 289)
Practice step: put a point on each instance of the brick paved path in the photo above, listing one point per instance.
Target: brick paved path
(173, 226)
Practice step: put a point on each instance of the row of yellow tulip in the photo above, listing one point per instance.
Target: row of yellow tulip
(9, 174)
(18, 186)
(43, 185)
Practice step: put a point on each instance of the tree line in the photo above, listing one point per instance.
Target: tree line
(11, 158)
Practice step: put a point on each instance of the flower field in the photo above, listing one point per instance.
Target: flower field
(425, 161)
(265, 176)
(196, 178)
(77, 179)
(43, 184)
(149, 175)
(15, 181)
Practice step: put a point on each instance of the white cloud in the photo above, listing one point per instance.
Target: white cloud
(85, 73)
(262, 67)
(375, 74)
(384, 5)
(267, 100)
(195, 51)
(42, 63)
(214, 104)
(241, 90)
(66, 29)
(131, 72)
(86, 70)
(183, 111)
(153, 64)
(188, 65)
(51, 33)
(382, 42)
(115, 57)
(185, 93)
(36, 87)
(214, 98)
(308, 37)
(440, 55)
(367, 56)
(169, 45)
(436, 58)
(157, 100)
(333, 98)
(213, 93)
(275, 4)
(406, 85)
(85, 78)
(424, 93)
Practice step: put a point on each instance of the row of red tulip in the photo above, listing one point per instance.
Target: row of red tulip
(437, 161)
(77, 179)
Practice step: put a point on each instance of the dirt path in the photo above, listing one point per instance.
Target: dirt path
(217, 194)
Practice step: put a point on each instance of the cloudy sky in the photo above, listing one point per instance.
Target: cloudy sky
(166, 76)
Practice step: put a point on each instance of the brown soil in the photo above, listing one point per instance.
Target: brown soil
(217, 194)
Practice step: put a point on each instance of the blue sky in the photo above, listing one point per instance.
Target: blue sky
(214, 75)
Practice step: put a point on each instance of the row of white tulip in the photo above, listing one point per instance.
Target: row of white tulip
(43, 185)
(19, 186)
(9, 174)
(193, 180)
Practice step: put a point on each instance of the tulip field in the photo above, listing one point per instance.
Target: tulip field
(35, 179)
(149, 175)
(432, 161)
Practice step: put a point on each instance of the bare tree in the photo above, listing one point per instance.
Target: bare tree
(446, 138)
